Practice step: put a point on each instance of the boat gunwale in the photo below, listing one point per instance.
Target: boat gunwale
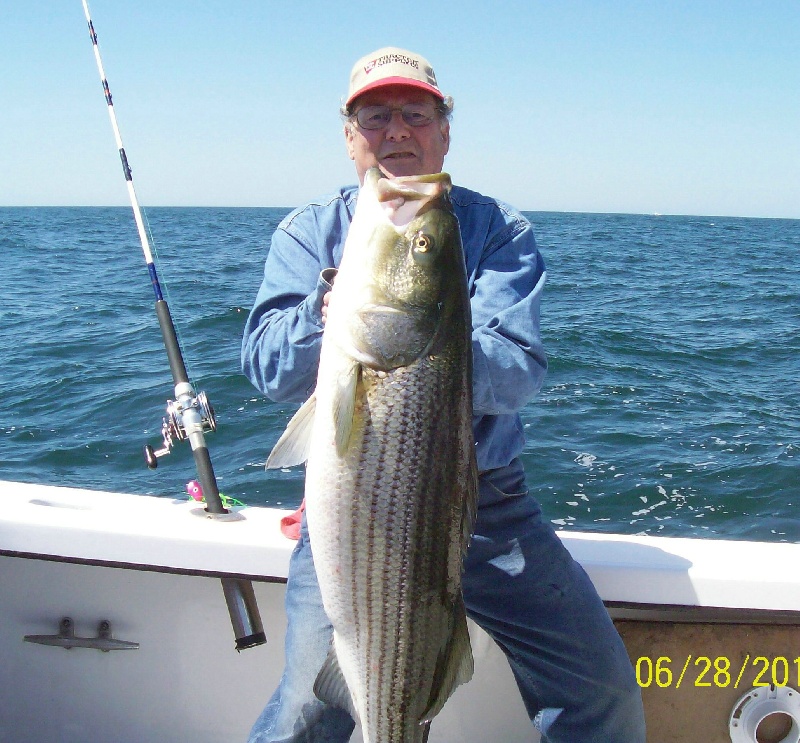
(731, 581)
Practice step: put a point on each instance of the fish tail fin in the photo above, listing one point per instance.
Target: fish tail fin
(331, 687)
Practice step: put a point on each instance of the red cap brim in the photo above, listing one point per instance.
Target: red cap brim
(404, 81)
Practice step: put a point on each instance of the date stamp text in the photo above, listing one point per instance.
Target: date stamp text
(720, 672)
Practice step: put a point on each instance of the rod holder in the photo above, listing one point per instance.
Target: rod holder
(243, 609)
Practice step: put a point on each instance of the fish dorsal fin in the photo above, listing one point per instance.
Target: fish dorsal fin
(295, 442)
(330, 686)
(454, 667)
(344, 405)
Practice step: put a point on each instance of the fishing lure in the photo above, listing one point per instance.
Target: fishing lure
(195, 492)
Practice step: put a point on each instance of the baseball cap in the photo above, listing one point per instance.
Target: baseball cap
(392, 66)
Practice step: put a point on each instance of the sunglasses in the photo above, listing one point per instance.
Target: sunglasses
(378, 117)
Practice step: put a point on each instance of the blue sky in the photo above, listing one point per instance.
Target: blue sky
(674, 108)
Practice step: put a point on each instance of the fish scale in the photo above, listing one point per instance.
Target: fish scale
(390, 580)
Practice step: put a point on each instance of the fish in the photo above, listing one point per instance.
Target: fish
(391, 478)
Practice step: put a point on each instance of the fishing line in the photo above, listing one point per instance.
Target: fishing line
(165, 287)
(190, 415)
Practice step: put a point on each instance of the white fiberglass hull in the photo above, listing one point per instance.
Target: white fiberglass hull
(151, 568)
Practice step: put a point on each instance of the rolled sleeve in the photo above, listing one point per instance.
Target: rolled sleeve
(283, 334)
(509, 358)
(506, 276)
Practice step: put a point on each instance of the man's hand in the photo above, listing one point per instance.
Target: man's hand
(325, 300)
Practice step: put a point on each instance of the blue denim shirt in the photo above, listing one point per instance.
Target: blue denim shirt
(506, 275)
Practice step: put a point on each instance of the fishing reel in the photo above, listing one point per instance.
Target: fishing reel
(173, 427)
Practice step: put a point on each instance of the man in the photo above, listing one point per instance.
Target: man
(520, 584)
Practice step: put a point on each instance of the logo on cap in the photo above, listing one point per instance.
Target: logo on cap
(389, 59)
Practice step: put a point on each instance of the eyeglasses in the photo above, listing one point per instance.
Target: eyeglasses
(378, 117)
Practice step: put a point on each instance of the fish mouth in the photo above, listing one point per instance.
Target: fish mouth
(406, 197)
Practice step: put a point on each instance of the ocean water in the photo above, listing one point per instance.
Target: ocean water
(671, 406)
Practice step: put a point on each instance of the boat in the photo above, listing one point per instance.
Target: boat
(114, 628)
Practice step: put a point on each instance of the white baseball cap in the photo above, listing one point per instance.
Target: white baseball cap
(392, 66)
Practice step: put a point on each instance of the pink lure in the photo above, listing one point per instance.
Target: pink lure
(194, 489)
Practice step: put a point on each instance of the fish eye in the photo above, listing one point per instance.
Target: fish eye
(423, 247)
(422, 243)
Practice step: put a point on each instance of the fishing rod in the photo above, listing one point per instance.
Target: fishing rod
(190, 415)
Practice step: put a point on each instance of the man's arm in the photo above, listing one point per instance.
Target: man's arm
(509, 362)
(283, 334)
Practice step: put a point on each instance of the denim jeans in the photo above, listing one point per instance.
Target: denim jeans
(523, 587)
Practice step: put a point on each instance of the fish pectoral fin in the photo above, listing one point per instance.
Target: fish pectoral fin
(344, 405)
(454, 667)
(295, 442)
(330, 686)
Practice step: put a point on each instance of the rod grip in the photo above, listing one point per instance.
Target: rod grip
(176, 365)
(208, 480)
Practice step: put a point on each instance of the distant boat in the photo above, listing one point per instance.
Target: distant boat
(137, 577)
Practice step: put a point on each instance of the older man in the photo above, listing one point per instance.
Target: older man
(520, 584)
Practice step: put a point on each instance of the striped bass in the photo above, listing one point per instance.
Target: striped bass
(391, 481)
